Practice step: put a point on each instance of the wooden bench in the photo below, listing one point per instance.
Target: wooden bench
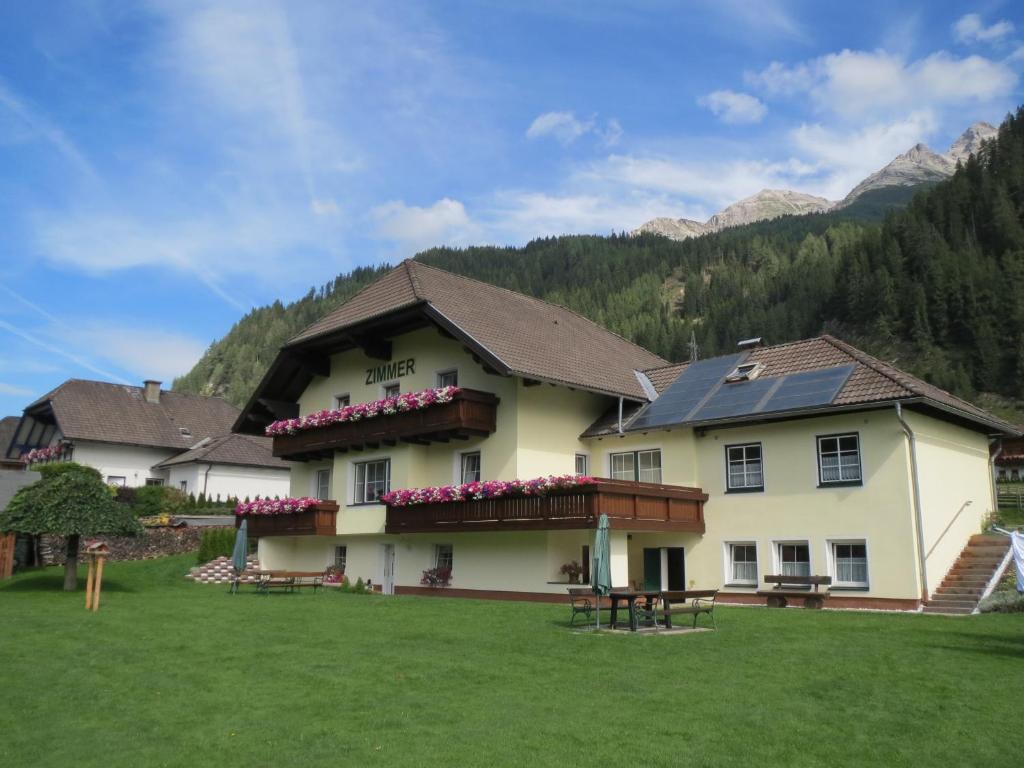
(796, 588)
(288, 581)
(701, 601)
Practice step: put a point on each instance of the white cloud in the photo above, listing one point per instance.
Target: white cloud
(565, 128)
(443, 223)
(10, 389)
(145, 352)
(855, 84)
(733, 107)
(970, 29)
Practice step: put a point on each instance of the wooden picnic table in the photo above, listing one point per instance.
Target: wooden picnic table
(630, 597)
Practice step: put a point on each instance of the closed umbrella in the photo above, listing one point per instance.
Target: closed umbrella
(240, 554)
(602, 570)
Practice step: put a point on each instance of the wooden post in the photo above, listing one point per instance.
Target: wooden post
(89, 581)
(99, 582)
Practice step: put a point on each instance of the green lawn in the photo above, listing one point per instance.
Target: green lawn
(175, 674)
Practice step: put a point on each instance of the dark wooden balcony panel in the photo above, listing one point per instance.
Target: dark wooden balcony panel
(629, 506)
(320, 521)
(470, 413)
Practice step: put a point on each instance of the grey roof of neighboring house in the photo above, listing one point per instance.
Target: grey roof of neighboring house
(236, 449)
(8, 426)
(119, 413)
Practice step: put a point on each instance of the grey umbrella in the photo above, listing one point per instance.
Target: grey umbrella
(602, 570)
(240, 553)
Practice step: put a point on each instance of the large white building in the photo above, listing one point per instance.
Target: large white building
(138, 436)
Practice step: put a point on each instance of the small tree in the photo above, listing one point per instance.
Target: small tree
(70, 500)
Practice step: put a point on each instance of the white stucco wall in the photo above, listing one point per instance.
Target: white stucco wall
(133, 463)
(228, 480)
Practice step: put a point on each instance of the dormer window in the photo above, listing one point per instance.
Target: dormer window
(745, 372)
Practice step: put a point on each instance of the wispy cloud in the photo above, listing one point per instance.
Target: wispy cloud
(443, 223)
(971, 29)
(566, 128)
(11, 389)
(734, 107)
(42, 127)
(54, 349)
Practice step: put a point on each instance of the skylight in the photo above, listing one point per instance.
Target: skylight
(745, 372)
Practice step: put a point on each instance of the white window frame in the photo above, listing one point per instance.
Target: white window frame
(462, 465)
(316, 483)
(341, 556)
(839, 452)
(833, 563)
(154, 482)
(586, 464)
(450, 559)
(390, 384)
(612, 455)
(360, 490)
(777, 554)
(438, 376)
(729, 487)
(113, 480)
(346, 396)
(730, 578)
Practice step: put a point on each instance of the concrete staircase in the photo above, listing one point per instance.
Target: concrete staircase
(963, 586)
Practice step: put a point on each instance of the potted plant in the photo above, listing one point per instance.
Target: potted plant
(436, 577)
(572, 570)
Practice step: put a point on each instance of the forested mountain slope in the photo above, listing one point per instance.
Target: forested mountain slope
(937, 287)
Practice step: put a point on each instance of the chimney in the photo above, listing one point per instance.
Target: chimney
(151, 391)
(753, 343)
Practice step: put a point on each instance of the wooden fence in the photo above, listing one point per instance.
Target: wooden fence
(1010, 499)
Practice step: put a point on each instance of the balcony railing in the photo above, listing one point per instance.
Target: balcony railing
(320, 521)
(470, 413)
(629, 506)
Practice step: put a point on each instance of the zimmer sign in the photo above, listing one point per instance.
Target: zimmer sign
(391, 371)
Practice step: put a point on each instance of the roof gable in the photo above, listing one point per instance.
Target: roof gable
(235, 449)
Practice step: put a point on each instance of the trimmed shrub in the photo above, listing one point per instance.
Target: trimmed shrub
(216, 542)
(1002, 602)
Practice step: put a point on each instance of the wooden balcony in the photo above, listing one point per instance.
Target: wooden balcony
(321, 521)
(470, 413)
(630, 506)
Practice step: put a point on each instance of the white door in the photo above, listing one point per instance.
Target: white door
(388, 585)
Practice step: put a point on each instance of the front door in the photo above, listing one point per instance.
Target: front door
(388, 584)
(652, 569)
(676, 569)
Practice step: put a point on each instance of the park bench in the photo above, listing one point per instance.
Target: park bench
(580, 601)
(701, 601)
(796, 588)
(288, 581)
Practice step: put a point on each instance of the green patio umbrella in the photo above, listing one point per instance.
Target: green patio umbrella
(602, 570)
(241, 552)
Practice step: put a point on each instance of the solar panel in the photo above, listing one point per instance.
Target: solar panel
(734, 399)
(801, 390)
(686, 392)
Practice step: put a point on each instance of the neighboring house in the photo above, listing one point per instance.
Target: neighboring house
(130, 434)
(1009, 461)
(803, 458)
(12, 473)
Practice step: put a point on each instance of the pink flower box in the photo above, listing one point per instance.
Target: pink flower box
(487, 489)
(276, 506)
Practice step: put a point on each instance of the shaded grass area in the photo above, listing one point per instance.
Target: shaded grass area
(177, 674)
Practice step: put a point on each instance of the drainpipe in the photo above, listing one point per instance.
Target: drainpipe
(915, 482)
(992, 475)
(206, 478)
(620, 415)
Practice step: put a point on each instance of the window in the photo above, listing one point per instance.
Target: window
(115, 480)
(154, 481)
(644, 466)
(183, 485)
(469, 471)
(745, 470)
(850, 561)
(392, 390)
(744, 372)
(743, 564)
(340, 558)
(582, 464)
(839, 459)
(448, 379)
(373, 478)
(795, 559)
(342, 401)
(323, 484)
(443, 556)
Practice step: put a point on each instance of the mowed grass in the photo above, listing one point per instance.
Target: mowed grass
(177, 674)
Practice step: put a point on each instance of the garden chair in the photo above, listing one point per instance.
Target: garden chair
(580, 600)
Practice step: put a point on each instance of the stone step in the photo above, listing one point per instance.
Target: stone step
(948, 611)
(945, 602)
(957, 590)
(978, 562)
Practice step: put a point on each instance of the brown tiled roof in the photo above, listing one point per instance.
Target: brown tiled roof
(872, 381)
(118, 413)
(530, 337)
(240, 450)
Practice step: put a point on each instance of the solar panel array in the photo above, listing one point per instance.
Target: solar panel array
(702, 394)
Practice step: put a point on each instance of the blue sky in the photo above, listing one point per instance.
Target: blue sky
(164, 166)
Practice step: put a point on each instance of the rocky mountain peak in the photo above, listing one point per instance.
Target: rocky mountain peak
(970, 141)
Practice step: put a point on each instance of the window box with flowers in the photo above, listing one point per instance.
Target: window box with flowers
(436, 577)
